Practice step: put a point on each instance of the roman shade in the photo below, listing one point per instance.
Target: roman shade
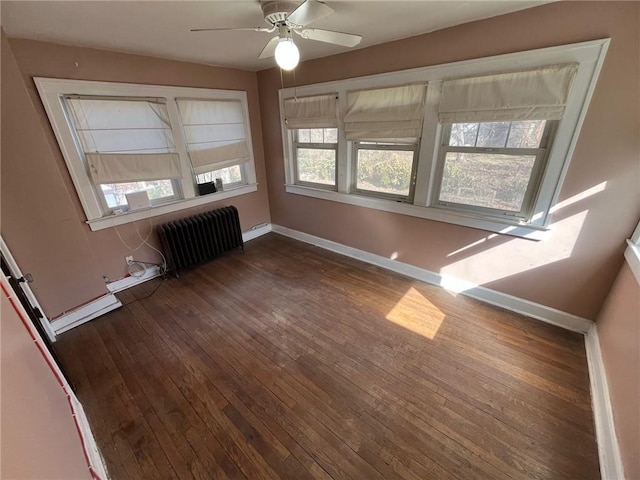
(121, 125)
(215, 158)
(539, 94)
(386, 113)
(215, 134)
(125, 139)
(311, 112)
(128, 167)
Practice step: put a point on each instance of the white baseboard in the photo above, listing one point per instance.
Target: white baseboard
(130, 281)
(515, 304)
(256, 231)
(86, 312)
(608, 450)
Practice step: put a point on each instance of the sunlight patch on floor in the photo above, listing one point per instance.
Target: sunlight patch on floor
(417, 314)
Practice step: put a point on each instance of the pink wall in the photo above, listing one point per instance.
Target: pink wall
(619, 334)
(574, 269)
(39, 438)
(42, 219)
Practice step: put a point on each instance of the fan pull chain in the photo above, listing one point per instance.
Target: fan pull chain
(295, 85)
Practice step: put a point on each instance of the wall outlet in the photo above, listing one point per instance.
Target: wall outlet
(128, 259)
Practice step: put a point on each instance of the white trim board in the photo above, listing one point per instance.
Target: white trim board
(493, 297)
(611, 467)
(15, 269)
(632, 255)
(256, 231)
(86, 312)
(130, 281)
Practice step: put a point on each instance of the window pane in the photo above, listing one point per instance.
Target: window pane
(387, 171)
(526, 134)
(493, 134)
(317, 165)
(486, 179)
(228, 175)
(318, 135)
(331, 135)
(304, 135)
(463, 134)
(157, 189)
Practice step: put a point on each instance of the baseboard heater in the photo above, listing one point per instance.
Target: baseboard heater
(199, 238)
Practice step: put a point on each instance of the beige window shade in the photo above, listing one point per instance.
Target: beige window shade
(539, 94)
(121, 125)
(215, 133)
(386, 113)
(320, 111)
(215, 158)
(132, 167)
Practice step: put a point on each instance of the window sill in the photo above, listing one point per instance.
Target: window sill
(632, 254)
(530, 232)
(115, 220)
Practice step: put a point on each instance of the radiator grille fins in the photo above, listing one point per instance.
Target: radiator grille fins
(196, 239)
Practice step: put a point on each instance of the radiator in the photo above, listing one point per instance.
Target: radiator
(196, 239)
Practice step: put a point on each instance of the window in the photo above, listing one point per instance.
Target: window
(483, 143)
(120, 138)
(128, 147)
(216, 140)
(385, 169)
(492, 167)
(316, 154)
(385, 126)
(312, 125)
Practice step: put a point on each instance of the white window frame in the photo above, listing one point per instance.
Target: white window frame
(588, 55)
(52, 92)
(392, 146)
(540, 153)
(632, 252)
(312, 146)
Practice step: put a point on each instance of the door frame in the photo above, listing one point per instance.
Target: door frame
(15, 270)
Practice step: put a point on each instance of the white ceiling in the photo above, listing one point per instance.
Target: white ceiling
(161, 28)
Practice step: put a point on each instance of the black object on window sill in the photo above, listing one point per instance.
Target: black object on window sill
(206, 188)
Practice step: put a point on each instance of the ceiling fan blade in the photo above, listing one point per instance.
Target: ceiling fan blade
(328, 36)
(309, 12)
(269, 49)
(251, 29)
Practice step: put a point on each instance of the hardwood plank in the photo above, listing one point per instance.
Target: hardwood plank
(289, 361)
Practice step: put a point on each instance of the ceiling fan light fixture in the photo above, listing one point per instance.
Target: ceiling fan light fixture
(287, 54)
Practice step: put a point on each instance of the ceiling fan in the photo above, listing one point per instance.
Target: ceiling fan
(287, 17)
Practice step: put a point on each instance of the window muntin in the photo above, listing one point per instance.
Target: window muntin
(492, 168)
(385, 169)
(316, 154)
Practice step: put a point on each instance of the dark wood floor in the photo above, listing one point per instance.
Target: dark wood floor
(289, 361)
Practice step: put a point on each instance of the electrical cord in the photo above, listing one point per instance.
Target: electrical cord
(137, 299)
(143, 241)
